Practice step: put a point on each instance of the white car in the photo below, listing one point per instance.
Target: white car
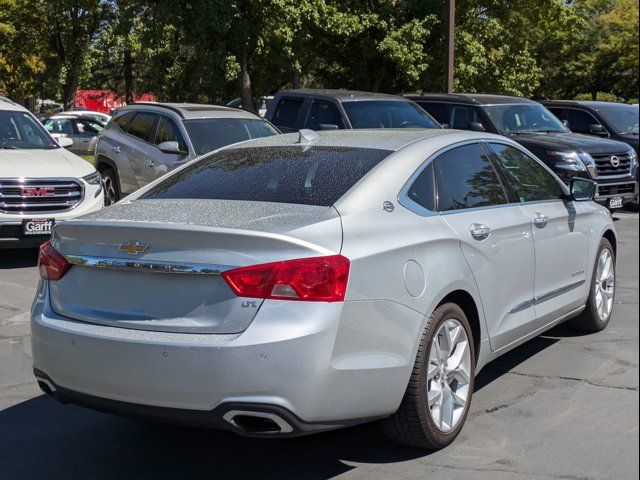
(103, 118)
(41, 183)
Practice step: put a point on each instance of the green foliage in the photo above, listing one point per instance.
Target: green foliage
(213, 50)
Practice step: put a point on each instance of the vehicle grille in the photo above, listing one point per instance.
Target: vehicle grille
(606, 168)
(616, 189)
(43, 195)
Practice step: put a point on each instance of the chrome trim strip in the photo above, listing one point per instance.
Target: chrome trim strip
(147, 266)
(521, 306)
(558, 292)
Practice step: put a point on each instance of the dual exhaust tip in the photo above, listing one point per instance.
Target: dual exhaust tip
(257, 423)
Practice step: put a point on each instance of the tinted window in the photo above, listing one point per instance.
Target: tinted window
(530, 117)
(439, 111)
(530, 181)
(466, 178)
(323, 113)
(579, 121)
(286, 112)
(462, 116)
(303, 175)
(167, 131)
(20, 130)
(622, 118)
(141, 125)
(387, 114)
(209, 134)
(423, 189)
(123, 120)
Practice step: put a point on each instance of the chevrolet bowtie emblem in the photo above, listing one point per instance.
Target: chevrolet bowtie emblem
(134, 248)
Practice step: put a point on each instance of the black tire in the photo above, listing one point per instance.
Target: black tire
(110, 186)
(589, 320)
(412, 425)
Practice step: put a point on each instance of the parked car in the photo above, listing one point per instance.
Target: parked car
(307, 282)
(146, 140)
(261, 104)
(602, 119)
(613, 165)
(41, 183)
(99, 117)
(292, 110)
(82, 130)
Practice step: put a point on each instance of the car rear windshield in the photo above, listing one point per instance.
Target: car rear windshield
(387, 114)
(209, 134)
(301, 175)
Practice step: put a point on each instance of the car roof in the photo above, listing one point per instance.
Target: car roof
(595, 105)
(341, 95)
(380, 139)
(469, 98)
(191, 110)
(6, 104)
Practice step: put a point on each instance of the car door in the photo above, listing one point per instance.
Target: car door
(495, 237)
(137, 144)
(560, 233)
(288, 113)
(160, 162)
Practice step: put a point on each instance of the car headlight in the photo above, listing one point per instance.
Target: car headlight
(93, 178)
(577, 161)
(633, 156)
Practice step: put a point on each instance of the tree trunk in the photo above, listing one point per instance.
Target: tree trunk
(70, 86)
(128, 76)
(377, 81)
(246, 95)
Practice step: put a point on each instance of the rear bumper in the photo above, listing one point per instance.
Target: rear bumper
(282, 362)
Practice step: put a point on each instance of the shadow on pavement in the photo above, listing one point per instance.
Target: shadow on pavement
(22, 258)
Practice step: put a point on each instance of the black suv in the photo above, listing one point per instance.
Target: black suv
(293, 110)
(612, 164)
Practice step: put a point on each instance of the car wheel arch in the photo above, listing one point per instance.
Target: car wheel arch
(102, 163)
(613, 240)
(469, 306)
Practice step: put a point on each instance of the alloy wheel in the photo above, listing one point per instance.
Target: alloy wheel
(109, 190)
(448, 375)
(605, 285)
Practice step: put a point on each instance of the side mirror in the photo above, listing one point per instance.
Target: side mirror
(64, 142)
(597, 129)
(327, 126)
(170, 147)
(582, 189)
(477, 127)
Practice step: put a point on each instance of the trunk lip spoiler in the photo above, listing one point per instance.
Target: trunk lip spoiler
(148, 266)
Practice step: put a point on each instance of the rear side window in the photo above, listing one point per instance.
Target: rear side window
(123, 120)
(286, 112)
(462, 116)
(530, 181)
(466, 178)
(423, 189)
(167, 131)
(300, 175)
(209, 134)
(439, 111)
(323, 113)
(141, 125)
(579, 121)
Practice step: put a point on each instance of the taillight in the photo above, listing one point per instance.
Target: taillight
(51, 265)
(318, 279)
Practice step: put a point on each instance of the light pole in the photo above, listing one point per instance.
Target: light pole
(449, 42)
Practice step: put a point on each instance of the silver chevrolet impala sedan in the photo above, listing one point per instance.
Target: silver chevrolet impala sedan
(307, 282)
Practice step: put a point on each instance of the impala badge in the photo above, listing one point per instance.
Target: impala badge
(134, 248)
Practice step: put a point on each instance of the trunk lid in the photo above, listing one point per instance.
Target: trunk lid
(156, 264)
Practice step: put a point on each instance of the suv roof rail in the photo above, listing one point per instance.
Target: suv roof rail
(160, 105)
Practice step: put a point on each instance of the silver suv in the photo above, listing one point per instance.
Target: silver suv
(144, 141)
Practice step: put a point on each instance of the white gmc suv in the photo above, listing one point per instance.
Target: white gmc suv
(41, 183)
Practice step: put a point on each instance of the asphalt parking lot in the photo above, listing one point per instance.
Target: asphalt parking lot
(563, 406)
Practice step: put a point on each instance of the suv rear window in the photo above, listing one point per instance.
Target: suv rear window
(300, 175)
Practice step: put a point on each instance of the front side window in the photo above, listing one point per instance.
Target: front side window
(287, 111)
(167, 131)
(524, 118)
(18, 130)
(323, 114)
(387, 114)
(579, 121)
(466, 178)
(529, 180)
(299, 175)
(209, 134)
(141, 125)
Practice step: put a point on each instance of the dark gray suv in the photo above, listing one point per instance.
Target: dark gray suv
(143, 141)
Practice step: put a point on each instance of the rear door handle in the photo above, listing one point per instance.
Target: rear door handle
(479, 232)
(540, 220)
